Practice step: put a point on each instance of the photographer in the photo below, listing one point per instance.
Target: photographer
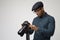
(43, 24)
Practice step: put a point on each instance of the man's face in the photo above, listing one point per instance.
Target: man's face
(39, 11)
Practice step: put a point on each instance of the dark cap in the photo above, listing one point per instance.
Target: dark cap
(37, 5)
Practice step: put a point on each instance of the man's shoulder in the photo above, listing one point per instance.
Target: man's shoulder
(51, 18)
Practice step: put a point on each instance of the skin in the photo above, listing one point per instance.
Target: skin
(39, 12)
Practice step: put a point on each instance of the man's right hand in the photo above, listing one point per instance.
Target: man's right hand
(33, 27)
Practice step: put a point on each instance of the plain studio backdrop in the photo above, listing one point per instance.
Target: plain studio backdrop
(14, 12)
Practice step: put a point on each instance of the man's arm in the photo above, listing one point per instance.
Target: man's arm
(46, 32)
(50, 30)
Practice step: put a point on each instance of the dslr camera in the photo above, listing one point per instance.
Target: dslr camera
(24, 29)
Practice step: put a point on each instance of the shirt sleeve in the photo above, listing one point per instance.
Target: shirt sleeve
(50, 30)
(30, 30)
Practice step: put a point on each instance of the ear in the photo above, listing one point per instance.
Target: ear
(43, 8)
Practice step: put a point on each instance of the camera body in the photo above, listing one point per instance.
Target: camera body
(24, 29)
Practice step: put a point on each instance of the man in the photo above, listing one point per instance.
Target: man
(43, 24)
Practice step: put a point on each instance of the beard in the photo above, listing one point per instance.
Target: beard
(41, 15)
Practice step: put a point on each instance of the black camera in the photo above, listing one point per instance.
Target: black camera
(24, 29)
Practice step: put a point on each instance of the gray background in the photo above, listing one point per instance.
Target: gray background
(14, 12)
